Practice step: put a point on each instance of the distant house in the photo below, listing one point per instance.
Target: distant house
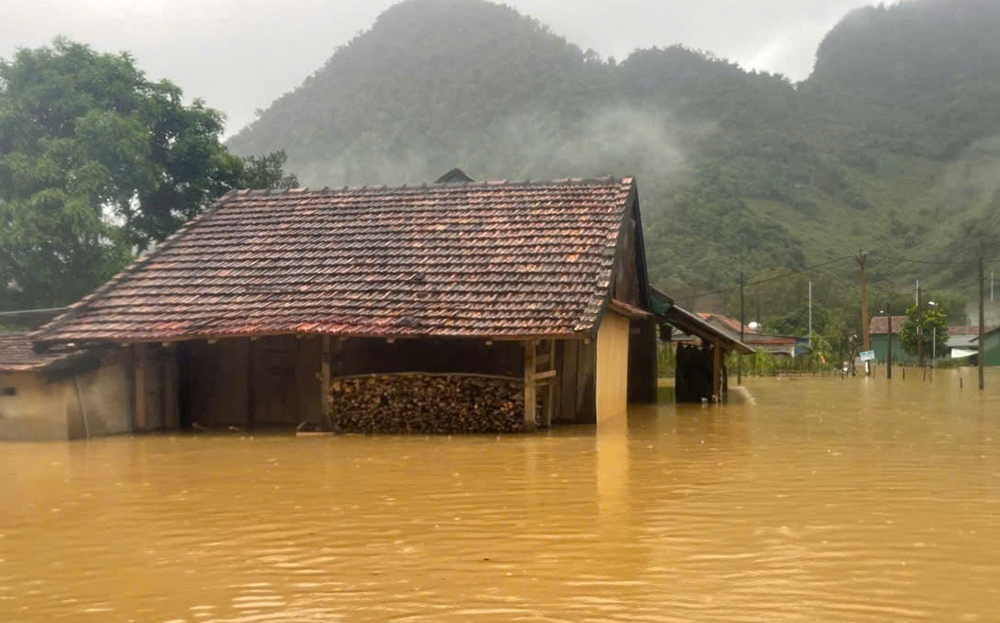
(732, 325)
(781, 345)
(250, 313)
(64, 393)
(878, 330)
(991, 347)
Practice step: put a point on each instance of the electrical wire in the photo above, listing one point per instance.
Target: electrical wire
(690, 297)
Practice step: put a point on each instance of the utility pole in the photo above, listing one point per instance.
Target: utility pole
(865, 339)
(739, 357)
(920, 329)
(888, 359)
(810, 313)
(982, 323)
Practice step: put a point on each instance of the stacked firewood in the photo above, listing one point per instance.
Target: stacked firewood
(426, 403)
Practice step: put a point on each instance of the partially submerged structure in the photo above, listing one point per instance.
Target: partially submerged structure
(700, 371)
(878, 330)
(990, 348)
(64, 393)
(251, 313)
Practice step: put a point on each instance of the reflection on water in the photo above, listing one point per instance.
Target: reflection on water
(827, 500)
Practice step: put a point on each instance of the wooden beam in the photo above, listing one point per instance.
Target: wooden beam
(139, 365)
(548, 374)
(717, 371)
(251, 385)
(550, 389)
(324, 381)
(529, 385)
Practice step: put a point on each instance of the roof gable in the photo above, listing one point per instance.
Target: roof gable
(502, 260)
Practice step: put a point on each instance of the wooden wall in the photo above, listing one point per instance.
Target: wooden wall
(642, 372)
(370, 356)
(612, 366)
(576, 367)
(626, 286)
(215, 382)
(243, 382)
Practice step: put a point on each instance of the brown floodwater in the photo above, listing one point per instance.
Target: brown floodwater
(826, 500)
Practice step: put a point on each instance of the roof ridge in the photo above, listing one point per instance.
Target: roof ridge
(565, 181)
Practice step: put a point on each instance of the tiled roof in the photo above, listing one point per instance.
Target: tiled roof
(472, 259)
(732, 324)
(968, 330)
(879, 325)
(17, 355)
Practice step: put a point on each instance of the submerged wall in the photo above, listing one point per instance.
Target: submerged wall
(39, 406)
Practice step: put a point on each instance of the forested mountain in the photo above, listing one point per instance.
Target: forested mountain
(892, 144)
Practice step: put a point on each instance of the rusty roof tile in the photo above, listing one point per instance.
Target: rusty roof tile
(476, 259)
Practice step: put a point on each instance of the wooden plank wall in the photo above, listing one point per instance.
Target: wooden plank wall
(154, 387)
(576, 366)
(217, 378)
(642, 372)
(372, 356)
(626, 285)
(285, 382)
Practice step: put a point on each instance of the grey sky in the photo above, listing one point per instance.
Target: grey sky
(240, 55)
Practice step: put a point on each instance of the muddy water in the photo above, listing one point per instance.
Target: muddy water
(827, 500)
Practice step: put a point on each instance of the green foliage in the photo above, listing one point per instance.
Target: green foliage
(98, 162)
(738, 171)
(267, 171)
(921, 326)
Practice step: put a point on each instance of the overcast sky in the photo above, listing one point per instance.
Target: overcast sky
(239, 55)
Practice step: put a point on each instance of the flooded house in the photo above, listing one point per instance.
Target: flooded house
(64, 393)
(880, 335)
(272, 306)
(990, 348)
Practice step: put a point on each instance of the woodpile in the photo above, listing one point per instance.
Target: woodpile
(427, 403)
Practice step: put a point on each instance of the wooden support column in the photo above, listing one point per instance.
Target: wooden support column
(529, 385)
(717, 371)
(171, 412)
(139, 376)
(324, 382)
(251, 383)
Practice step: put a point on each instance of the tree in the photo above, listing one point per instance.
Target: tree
(267, 171)
(932, 322)
(97, 163)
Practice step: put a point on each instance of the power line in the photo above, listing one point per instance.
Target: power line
(765, 280)
(900, 258)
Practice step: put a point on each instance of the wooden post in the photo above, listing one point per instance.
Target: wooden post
(888, 358)
(324, 381)
(529, 385)
(139, 366)
(550, 384)
(251, 386)
(717, 371)
(739, 356)
(865, 337)
(920, 328)
(981, 357)
(171, 413)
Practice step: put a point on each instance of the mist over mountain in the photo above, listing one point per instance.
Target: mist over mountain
(890, 144)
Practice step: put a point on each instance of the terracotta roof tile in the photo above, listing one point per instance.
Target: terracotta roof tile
(17, 355)
(476, 259)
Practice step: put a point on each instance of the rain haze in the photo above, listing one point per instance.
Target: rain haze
(240, 56)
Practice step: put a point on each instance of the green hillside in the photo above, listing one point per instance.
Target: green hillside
(890, 145)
